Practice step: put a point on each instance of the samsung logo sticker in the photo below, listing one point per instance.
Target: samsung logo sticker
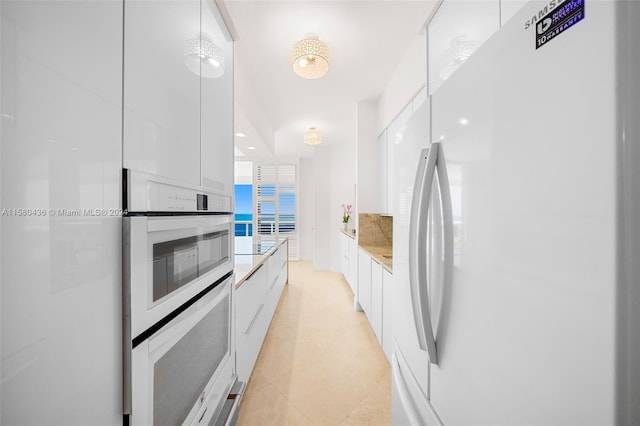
(541, 13)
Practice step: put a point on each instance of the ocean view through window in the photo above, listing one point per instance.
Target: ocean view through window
(243, 210)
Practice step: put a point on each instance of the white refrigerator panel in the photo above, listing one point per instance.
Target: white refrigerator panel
(529, 140)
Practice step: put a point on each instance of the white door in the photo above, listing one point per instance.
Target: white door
(161, 94)
(216, 117)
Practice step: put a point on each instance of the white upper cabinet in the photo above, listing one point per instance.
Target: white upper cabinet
(178, 92)
(161, 95)
(217, 105)
(455, 32)
(382, 145)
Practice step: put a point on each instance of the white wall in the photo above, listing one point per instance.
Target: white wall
(407, 80)
(327, 181)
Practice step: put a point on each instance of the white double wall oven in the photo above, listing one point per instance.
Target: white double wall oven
(177, 302)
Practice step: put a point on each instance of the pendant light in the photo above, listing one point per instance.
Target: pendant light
(310, 57)
(312, 136)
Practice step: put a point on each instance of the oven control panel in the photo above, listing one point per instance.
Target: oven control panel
(148, 193)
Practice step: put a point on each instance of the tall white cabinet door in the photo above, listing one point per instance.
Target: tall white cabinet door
(61, 80)
(217, 104)
(161, 94)
(382, 170)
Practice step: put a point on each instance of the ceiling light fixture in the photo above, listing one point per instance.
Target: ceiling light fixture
(240, 135)
(251, 148)
(310, 57)
(312, 136)
(459, 51)
(204, 58)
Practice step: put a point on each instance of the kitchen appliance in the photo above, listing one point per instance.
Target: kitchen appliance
(177, 302)
(515, 229)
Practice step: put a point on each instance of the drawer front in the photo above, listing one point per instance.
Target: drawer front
(250, 296)
(247, 351)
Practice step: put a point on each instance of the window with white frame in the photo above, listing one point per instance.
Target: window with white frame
(275, 194)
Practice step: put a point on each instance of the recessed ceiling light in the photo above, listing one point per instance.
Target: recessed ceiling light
(240, 135)
(251, 148)
(463, 121)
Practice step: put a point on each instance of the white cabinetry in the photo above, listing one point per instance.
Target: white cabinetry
(349, 261)
(251, 321)
(374, 294)
(459, 27)
(344, 255)
(161, 95)
(277, 274)
(364, 281)
(177, 124)
(216, 115)
(387, 313)
(256, 301)
(386, 142)
(61, 145)
(383, 172)
(375, 317)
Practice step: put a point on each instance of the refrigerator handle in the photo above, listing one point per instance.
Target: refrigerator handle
(447, 219)
(418, 250)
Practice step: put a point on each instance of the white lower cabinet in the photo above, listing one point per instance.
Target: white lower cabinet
(364, 281)
(349, 261)
(353, 264)
(374, 294)
(256, 302)
(387, 313)
(251, 323)
(375, 317)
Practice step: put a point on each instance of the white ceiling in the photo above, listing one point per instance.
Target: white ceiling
(366, 40)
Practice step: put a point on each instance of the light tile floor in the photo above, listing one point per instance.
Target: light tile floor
(320, 363)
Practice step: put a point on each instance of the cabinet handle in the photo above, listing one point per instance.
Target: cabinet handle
(275, 280)
(253, 321)
(203, 413)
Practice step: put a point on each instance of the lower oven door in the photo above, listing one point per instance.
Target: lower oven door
(182, 374)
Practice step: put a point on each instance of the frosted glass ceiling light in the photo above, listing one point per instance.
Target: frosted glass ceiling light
(310, 57)
(312, 136)
(204, 58)
(458, 52)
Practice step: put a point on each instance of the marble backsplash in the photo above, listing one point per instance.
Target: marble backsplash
(375, 230)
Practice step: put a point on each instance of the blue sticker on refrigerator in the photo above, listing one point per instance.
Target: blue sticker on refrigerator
(558, 21)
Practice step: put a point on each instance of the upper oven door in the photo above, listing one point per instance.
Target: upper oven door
(170, 259)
